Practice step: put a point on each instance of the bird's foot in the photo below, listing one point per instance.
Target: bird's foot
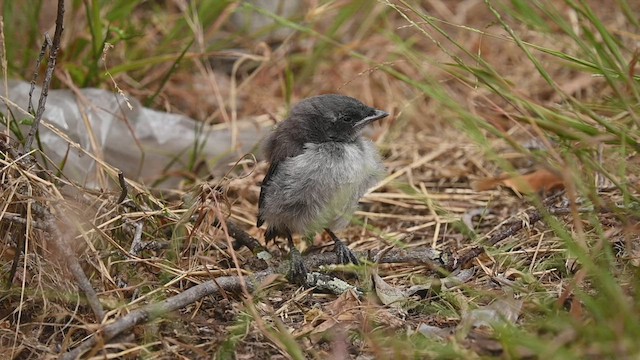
(344, 254)
(297, 271)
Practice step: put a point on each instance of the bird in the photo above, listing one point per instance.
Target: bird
(320, 165)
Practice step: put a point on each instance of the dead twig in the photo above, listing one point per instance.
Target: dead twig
(16, 258)
(137, 245)
(123, 188)
(43, 50)
(71, 260)
(426, 256)
(241, 236)
(15, 218)
(53, 55)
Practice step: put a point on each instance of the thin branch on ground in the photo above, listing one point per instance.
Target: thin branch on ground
(241, 236)
(233, 284)
(15, 218)
(152, 311)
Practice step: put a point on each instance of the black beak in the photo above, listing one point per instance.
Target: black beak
(377, 115)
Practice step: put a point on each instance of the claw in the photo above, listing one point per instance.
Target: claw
(297, 272)
(344, 254)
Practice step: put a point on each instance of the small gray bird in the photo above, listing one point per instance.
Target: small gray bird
(320, 167)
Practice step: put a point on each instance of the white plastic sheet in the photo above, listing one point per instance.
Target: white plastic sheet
(147, 145)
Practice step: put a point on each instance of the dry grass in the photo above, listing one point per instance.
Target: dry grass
(426, 200)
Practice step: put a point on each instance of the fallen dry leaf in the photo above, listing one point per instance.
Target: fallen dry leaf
(345, 302)
(344, 311)
(388, 295)
(398, 297)
(539, 180)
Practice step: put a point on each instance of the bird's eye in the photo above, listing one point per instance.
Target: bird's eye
(344, 118)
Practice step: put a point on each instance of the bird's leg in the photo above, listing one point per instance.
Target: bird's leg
(344, 254)
(297, 272)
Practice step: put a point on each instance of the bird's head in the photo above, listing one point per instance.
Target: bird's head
(333, 117)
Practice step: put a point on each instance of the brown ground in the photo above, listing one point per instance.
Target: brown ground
(435, 173)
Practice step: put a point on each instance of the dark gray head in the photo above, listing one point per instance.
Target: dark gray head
(331, 117)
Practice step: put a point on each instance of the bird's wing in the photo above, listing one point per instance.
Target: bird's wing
(283, 152)
(263, 191)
